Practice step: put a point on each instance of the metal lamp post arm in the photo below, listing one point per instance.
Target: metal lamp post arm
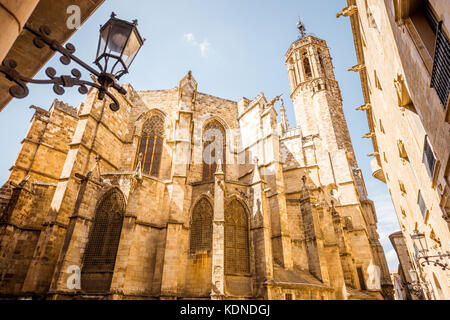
(435, 259)
(42, 37)
(20, 89)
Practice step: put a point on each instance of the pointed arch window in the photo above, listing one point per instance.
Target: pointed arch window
(101, 250)
(307, 66)
(151, 145)
(201, 227)
(237, 256)
(214, 146)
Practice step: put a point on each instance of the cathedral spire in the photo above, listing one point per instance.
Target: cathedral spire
(283, 118)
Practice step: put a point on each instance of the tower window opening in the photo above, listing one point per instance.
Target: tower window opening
(307, 68)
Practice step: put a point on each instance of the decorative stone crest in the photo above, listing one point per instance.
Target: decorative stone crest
(404, 100)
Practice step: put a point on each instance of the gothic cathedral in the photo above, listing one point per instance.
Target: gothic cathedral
(183, 195)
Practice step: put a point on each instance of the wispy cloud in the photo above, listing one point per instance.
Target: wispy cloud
(387, 224)
(392, 260)
(204, 46)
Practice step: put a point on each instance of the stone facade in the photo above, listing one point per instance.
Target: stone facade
(182, 195)
(400, 45)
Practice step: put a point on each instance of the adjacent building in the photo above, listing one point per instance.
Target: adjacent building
(403, 54)
(399, 289)
(406, 283)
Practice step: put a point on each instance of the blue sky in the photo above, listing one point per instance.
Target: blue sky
(234, 48)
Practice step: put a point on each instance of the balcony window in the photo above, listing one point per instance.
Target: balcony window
(421, 23)
(421, 203)
(425, 23)
(432, 43)
(428, 158)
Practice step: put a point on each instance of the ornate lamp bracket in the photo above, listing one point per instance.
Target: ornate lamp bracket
(42, 39)
(436, 260)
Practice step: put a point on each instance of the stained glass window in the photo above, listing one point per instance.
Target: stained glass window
(214, 144)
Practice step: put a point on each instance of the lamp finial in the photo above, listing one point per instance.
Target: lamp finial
(301, 28)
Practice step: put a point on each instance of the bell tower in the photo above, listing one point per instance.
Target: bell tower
(315, 92)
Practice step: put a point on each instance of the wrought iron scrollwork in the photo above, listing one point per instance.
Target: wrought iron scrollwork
(42, 39)
(436, 260)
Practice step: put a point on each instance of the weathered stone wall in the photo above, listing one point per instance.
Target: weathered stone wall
(41, 159)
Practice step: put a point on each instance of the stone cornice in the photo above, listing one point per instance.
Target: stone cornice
(308, 40)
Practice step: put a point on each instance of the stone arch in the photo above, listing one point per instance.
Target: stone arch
(214, 117)
(200, 238)
(139, 122)
(237, 237)
(101, 249)
(214, 147)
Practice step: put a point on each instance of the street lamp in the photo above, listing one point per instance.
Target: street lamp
(119, 42)
(437, 260)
